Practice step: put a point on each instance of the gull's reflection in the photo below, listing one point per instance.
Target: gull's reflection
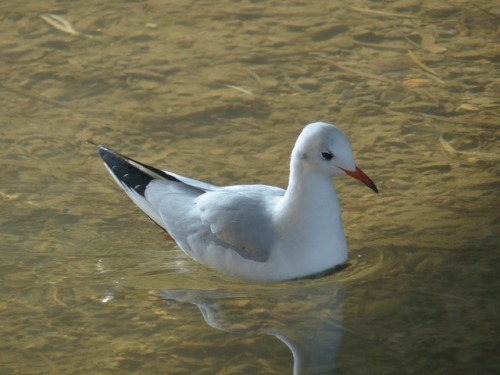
(307, 318)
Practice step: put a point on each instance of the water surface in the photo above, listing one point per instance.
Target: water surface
(220, 92)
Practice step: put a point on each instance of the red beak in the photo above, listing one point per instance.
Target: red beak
(361, 176)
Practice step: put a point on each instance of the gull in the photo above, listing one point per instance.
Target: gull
(256, 233)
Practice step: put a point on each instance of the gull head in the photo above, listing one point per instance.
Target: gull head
(325, 149)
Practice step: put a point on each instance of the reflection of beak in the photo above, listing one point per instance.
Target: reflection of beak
(358, 174)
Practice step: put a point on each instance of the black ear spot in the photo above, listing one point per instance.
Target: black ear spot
(327, 155)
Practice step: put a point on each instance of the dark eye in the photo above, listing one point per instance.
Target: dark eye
(327, 155)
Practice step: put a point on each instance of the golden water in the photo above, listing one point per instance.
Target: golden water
(219, 91)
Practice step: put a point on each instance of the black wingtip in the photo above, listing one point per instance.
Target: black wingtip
(133, 174)
(129, 175)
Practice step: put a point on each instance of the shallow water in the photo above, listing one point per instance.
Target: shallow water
(220, 93)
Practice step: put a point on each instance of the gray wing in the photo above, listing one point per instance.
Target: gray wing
(240, 218)
(192, 182)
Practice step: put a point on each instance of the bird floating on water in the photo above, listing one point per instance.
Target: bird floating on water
(257, 233)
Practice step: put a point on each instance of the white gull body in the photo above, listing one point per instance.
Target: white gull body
(256, 233)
